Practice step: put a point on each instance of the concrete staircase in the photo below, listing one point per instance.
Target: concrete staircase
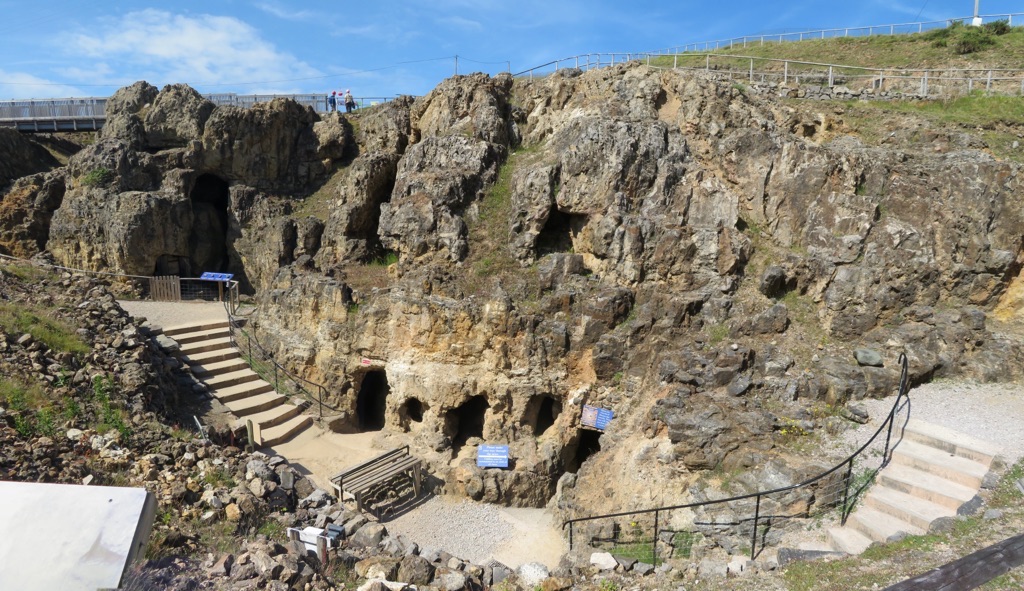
(207, 349)
(934, 470)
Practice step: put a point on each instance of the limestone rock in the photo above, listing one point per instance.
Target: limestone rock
(603, 561)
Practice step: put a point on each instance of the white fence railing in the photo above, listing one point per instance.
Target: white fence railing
(597, 60)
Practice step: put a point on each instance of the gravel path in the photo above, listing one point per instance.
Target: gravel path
(479, 532)
(172, 314)
(990, 412)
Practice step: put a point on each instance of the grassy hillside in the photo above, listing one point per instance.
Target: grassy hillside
(992, 46)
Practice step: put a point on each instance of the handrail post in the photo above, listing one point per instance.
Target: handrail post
(753, 536)
(846, 493)
(277, 383)
(830, 77)
(654, 542)
(320, 396)
(570, 535)
(751, 70)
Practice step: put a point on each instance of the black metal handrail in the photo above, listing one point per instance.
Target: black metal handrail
(302, 386)
(846, 506)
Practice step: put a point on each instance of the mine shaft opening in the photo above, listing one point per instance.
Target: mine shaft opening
(559, 232)
(466, 421)
(588, 443)
(208, 247)
(542, 412)
(411, 413)
(371, 402)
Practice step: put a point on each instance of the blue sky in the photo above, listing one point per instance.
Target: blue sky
(61, 48)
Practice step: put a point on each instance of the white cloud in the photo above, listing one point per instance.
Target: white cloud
(461, 23)
(163, 48)
(282, 12)
(19, 85)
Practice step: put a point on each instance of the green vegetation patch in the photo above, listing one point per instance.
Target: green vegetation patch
(54, 333)
(98, 177)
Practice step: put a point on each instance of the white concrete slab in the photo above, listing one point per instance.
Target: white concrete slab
(62, 536)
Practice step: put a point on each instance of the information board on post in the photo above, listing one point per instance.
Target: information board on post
(208, 276)
(596, 417)
(492, 456)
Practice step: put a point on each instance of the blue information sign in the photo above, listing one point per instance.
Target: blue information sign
(595, 417)
(216, 276)
(492, 456)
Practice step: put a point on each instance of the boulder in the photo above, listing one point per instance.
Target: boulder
(603, 561)
(369, 535)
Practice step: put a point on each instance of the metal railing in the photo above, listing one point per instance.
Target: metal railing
(262, 361)
(89, 113)
(760, 517)
(597, 60)
(922, 82)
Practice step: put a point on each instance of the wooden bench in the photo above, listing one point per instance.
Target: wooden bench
(358, 480)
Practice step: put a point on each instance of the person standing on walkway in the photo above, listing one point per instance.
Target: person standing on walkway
(350, 103)
(332, 102)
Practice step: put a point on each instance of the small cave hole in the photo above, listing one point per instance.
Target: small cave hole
(411, 412)
(371, 402)
(208, 246)
(559, 232)
(466, 421)
(588, 444)
(541, 413)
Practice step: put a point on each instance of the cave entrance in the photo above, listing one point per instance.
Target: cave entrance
(541, 413)
(371, 402)
(411, 413)
(559, 232)
(587, 444)
(208, 247)
(466, 421)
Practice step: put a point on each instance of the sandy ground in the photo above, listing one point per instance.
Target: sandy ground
(172, 314)
(322, 454)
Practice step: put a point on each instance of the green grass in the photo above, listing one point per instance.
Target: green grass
(944, 48)
(219, 478)
(24, 272)
(54, 333)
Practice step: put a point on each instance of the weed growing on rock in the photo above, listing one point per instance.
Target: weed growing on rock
(110, 417)
(98, 177)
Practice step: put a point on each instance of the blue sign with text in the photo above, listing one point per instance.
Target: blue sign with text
(216, 276)
(492, 456)
(595, 417)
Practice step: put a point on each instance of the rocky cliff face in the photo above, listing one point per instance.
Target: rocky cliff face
(476, 264)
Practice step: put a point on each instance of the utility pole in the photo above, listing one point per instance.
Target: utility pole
(977, 19)
(456, 64)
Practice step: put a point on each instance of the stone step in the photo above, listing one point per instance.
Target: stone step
(926, 486)
(913, 510)
(951, 441)
(271, 418)
(879, 526)
(285, 431)
(207, 345)
(240, 391)
(216, 368)
(205, 357)
(816, 546)
(253, 404)
(846, 539)
(200, 335)
(187, 328)
(940, 462)
(241, 376)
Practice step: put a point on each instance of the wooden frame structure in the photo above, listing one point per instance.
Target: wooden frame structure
(359, 480)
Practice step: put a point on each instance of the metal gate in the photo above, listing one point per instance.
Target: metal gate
(165, 289)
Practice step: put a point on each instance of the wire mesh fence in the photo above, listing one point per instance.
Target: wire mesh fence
(745, 524)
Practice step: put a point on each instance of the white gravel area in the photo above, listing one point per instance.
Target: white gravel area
(479, 532)
(989, 412)
(172, 314)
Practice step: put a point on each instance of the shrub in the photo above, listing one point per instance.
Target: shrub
(98, 177)
(972, 39)
(997, 27)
